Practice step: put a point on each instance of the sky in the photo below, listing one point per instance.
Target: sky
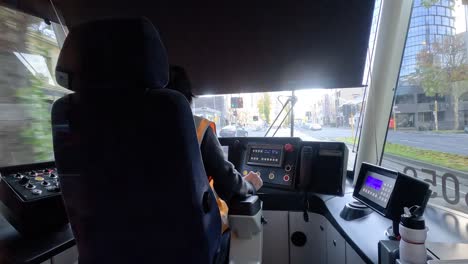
(460, 17)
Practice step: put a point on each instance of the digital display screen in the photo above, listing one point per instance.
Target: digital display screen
(377, 188)
(269, 156)
(374, 183)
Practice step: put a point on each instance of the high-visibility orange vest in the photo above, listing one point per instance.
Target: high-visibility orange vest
(202, 125)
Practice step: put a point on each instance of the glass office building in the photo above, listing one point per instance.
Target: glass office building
(430, 22)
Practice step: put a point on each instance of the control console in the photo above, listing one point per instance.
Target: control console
(388, 192)
(31, 198)
(290, 163)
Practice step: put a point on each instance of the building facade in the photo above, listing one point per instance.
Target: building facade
(429, 24)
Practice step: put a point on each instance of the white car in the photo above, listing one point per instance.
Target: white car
(315, 126)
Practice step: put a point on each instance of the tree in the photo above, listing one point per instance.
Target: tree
(37, 133)
(264, 107)
(442, 70)
(13, 75)
(287, 121)
(429, 3)
(28, 137)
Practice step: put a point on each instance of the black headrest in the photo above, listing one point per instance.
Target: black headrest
(124, 53)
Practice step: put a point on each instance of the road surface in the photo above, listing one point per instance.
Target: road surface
(449, 143)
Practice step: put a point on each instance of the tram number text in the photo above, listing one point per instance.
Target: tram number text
(455, 199)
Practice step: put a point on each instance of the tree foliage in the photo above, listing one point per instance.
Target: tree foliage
(287, 121)
(442, 69)
(429, 3)
(38, 132)
(264, 107)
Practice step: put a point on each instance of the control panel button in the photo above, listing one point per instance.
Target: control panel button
(18, 176)
(30, 186)
(288, 148)
(53, 189)
(39, 178)
(36, 192)
(288, 168)
(23, 181)
(286, 178)
(259, 174)
(53, 176)
(45, 183)
(271, 176)
(32, 173)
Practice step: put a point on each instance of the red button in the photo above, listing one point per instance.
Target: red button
(289, 147)
(286, 178)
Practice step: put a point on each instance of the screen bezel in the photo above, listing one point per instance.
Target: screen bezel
(265, 146)
(365, 168)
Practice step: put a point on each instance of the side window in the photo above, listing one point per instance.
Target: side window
(28, 55)
(428, 128)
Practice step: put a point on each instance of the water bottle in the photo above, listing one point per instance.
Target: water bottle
(413, 232)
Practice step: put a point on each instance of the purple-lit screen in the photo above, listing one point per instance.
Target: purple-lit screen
(373, 182)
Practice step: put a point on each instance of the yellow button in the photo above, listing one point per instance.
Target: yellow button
(245, 172)
(39, 178)
(271, 176)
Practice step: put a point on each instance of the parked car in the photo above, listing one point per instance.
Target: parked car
(256, 126)
(315, 126)
(233, 131)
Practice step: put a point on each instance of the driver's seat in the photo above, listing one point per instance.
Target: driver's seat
(126, 151)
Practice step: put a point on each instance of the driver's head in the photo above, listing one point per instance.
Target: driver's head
(179, 81)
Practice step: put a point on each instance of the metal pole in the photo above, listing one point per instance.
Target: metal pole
(293, 96)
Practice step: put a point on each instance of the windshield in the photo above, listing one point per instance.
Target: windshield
(318, 114)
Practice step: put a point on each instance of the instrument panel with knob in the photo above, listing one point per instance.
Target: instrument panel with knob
(33, 184)
(275, 161)
(29, 192)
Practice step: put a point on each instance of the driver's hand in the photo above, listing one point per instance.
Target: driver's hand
(254, 179)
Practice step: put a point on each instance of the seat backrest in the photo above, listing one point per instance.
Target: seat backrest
(126, 151)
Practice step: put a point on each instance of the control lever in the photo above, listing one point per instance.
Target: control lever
(24, 181)
(306, 208)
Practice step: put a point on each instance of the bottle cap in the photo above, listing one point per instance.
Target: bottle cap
(412, 218)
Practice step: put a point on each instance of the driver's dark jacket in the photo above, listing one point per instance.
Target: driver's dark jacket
(228, 182)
